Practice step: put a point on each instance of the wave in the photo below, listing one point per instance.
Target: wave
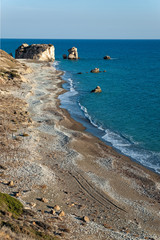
(125, 146)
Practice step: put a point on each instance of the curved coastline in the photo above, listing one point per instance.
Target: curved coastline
(120, 144)
(80, 172)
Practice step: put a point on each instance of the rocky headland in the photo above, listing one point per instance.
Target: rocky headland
(62, 182)
(41, 52)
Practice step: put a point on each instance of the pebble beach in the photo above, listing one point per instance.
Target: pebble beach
(67, 177)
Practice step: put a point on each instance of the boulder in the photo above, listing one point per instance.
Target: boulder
(64, 56)
(73, 53)
(41, 52)
(107, 57)
(97, 90)
(96, 70)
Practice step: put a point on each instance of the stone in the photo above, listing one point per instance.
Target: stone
(11, 183)
(62, 214)
(97, 90)
(95, 70)
(79, 73)
(17, 194)
(44, 200)
(41, 52)
(86, 219)
(73, 53)
(107, 57)
(104, 71)
(56, 208)
(32, 204)
(53, 211)
(65, 56)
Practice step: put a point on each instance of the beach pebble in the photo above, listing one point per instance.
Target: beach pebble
(44, 200)
(32, 204)
(62, 214)
(56, 208)
(17, 194)
(86, 219)
(11, 183)
(53, 211)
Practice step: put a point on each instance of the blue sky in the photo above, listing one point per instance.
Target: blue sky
(86, 19)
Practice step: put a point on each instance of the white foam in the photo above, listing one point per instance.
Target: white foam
(125, 146)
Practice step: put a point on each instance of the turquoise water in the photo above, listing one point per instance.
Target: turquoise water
(127, 113)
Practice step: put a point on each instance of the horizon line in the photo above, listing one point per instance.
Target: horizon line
(87, 38)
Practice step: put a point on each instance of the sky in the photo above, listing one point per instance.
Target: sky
(80, 19)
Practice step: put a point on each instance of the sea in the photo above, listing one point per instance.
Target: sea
(126, 114)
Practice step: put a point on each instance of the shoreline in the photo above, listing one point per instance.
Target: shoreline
(95, 131)
(80, 173)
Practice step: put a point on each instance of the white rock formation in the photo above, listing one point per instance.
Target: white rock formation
(73, 53)
(41, 52)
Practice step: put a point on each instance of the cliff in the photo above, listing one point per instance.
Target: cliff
(41, 52)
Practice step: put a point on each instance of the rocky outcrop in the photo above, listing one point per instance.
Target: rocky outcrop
(65, 56)
(41, 52)
(96, 70)
(107, 57)
(97, 90)
(73, 53)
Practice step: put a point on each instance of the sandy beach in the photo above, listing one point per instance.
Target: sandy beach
(56, 159)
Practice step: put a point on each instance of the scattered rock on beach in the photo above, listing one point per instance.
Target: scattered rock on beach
(17, 194)
(73, 53)
(32, 204)
(62, 214)
(11, 183)
(42, 52)
(97, 90)
(95, 70)
(57, 208)
(86, 219)
(52, 211)
(107, 57)
(44, 200)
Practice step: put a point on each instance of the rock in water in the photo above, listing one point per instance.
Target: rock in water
(96, 70)
(107, 57)
(64, 56)
(97, 90)
(73, 53)
(42, 52)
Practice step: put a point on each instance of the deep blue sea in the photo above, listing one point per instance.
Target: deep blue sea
(126, 115)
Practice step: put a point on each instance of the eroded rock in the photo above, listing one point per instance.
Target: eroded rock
(73, 53)
(95, 70)
(41, 52)
(97, 90)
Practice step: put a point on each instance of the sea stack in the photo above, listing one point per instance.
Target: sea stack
(41, 52)
(73, 53)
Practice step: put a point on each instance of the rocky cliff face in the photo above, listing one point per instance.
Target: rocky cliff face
(73, 53)
(42, 52)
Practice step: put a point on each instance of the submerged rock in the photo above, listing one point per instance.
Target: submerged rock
(96, 70)
(64, 56)
(107, 57)
(97, 90)
(73, 53)
(42, 52)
